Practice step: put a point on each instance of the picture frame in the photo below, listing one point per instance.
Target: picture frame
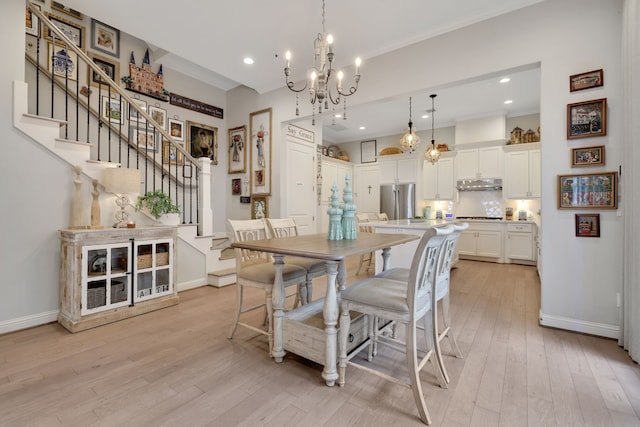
(64, 9)
(203, 141)
(75, 32)
(238, 149)
(135, 118)
(259, 207)
(32, 22)
(105, 38)
(110, 68)
(587, 156)
(176, 129)
(112, 110)
(587, 119)
(260, 160)
(588, 225)
(368, 151)
(159, 115)
(587, 80)
(236, 186)
(64, 62)
(171, 155)
(588, 191)
(145, 138)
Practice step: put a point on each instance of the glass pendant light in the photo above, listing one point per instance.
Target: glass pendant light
(409, 140)
(432, 154)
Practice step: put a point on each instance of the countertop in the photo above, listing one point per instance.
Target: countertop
(426, 223)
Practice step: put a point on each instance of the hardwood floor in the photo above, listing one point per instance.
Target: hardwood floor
(175, 367)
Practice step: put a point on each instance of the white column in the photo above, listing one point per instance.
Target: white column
(205, 227)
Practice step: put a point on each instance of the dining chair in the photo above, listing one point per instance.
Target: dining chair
(256, 270)
(365, 259)
(382, 217)
(407, 303)
(287, 227)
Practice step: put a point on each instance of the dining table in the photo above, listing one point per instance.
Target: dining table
(334, 253)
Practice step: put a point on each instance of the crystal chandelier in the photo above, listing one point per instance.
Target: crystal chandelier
(409, 140)
(319, 82)
(432, 154)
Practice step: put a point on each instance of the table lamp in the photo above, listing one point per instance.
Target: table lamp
(121, 181)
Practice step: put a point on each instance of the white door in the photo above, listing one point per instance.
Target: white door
(367, 189)
(300, 184)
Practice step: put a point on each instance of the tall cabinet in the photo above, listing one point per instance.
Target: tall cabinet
(437, 179)
(111, 274)
(522, 171)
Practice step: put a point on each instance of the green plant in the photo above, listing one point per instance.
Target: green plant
(157, 203)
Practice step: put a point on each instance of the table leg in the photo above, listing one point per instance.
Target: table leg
(386, 253)
(330, 313)
(275, 332)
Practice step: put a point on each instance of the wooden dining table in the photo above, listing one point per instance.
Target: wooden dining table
(334, 253)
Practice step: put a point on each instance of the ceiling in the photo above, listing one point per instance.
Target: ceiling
(209, 40)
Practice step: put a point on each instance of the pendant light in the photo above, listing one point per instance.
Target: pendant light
(409, 140)
(432, 154)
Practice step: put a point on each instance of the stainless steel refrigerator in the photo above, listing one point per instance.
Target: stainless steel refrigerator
(398, 200)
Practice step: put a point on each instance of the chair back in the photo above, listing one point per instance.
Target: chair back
(423, 272)
(362, 218)
(282, 227)
(245, 230)
(446, 257)
(383, 217)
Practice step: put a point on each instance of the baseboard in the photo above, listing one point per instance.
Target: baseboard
(25, 322)
(183, 286)
(585, 327)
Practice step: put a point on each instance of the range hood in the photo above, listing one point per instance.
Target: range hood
(488, 184)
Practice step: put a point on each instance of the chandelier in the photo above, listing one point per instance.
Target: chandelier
(409, 140)
(432, 154)
(320, 82)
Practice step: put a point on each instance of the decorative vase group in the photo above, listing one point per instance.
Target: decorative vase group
(342, 221)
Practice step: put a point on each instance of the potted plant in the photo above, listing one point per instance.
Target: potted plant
(158, 204)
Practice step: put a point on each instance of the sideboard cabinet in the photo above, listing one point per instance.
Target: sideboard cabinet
(111, 274)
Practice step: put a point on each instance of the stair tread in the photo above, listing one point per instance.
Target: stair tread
(223, 272)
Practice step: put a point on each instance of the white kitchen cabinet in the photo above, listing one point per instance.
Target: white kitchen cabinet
(520, 243)
(396, 170)
(479, 163)
(522, 174)
(438, 179)
(481, 240)
(333, 172)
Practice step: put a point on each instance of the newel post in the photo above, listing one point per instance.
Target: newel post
(205, 227)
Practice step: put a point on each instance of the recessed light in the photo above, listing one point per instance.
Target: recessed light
(505, 80)
(248, 61)
(425, 116)
(362, 128)
(508, 101)
(337, 116)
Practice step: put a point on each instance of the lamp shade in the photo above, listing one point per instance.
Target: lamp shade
(121, 180)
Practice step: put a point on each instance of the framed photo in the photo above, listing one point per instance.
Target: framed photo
(238, 149)
(586, 80)
(368, 151)
(135, 118)
(110, 68)
(171, 155)
(586, 119)
(62, 62)
(112, 110)
(176, 129)
(236, 187)
(588, 191)
(64, 9)
(159, 115)
(203, 141)
(32, 22)
(144, 138)
(588, 225)
(75, 32)
(104, 38)
(259, 207)
(587, 156)
(260, 134)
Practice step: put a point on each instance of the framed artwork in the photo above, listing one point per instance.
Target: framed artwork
(203, 141)
(368, 151)
(588, 191)
(586, 119)
(236, 187)
(588, 225)
(238, 149)
(159, 115)
(144, 138)
(586, 80)
(105, 38)
(260, 134)
(176, 129)
(64, 9)
(259, 207)
(32, 22)
(110, 68)
(171, 155)
(73, 31)
(62, 62)
(135, 118)
(587, 156)
(112, 110)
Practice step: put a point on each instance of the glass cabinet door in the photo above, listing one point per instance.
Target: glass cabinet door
(105, 280)
(154, 269)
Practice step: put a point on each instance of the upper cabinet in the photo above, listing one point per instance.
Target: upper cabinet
(438, 179)
(522, 171)
(479, 163)
(398, 170)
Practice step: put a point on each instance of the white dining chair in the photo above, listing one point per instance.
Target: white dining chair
(287, 227)
(407, 303)
(256, 270)
(368, 258)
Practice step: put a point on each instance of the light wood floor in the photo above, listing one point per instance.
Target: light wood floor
(175, 367)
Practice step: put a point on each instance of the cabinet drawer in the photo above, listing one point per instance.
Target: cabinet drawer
(524, 228)
(484, 226)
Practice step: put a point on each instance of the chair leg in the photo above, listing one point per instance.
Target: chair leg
(268, 293)
(360, 264)
(414, 374)
(446, 321)
(345, 324)
(309, 289)
(433, 344)
(372, 326)
(239, 294)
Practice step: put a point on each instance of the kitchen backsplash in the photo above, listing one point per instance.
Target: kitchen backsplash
(484, 203)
